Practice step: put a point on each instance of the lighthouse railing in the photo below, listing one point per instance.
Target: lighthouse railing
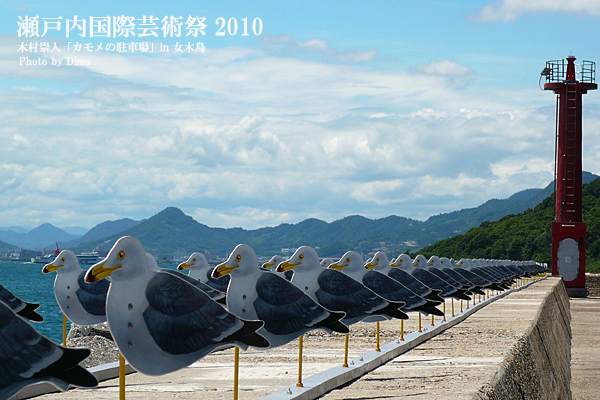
(588, 72)
(556, 71)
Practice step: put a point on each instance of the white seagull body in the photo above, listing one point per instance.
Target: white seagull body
(200, 270)
(83, 303)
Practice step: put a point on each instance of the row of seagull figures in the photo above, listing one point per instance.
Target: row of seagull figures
(162, 320)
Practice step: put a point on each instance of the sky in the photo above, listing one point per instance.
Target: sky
(280, 112)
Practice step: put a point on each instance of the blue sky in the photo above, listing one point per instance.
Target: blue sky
(407, 108)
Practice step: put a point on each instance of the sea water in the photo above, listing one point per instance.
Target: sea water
(26, 281)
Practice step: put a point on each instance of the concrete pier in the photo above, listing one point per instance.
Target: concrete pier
(516, 347)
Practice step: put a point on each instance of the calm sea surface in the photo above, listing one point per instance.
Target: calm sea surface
(27, 282)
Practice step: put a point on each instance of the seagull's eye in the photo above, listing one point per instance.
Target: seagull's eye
(62, 259)
(238, 258)
(377, 259)
(348, 259)
(121, 255)
(301, 256)
(193, 259)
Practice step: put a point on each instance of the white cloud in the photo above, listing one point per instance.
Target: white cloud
(240, 137)
(509, 10)
(443, 68)
(287, 44)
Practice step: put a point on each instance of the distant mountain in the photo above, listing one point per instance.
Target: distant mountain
(76, 230)
(447, 225)
(171, 232)
(17, 229)
(44, 235)
(100, 231)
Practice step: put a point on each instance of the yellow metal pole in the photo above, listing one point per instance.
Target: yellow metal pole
(377, 348)
(345, 365)
(420, 323)
(300, 344)
(461, 305)
(432, 320)
(236, 372)
(452, 302)
(64, 330)
(468, 304)
(121, 377)
(444, 310)
(402, 329)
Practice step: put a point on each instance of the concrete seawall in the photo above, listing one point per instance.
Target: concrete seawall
(518, 347)
(538, 366)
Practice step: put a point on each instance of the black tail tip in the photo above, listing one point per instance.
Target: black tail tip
(247, 334)
(333, 322)
(256, 340)
(31, 315)
(77, 376)
(339, 327)
(433, 311)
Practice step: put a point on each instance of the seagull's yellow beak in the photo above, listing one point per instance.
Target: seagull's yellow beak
(98, 272)
(223, 269)
(337, 266)
(369, 265)
(183, 266)
(286, 266)
(51, 267)
(268, 265)
(430, 264)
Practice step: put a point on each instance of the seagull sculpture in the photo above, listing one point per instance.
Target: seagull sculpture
(352, 264)
(337, 291)
(26, 357)
(83, 303)
(287, 312)
(160, 322)
(200, 270)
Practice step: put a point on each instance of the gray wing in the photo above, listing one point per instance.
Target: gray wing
(183, 319)
(92, 296)
(26, 357)
(212, 293)
(409, 281)
(283, 307)
(339, 292)
(23, 308)
(12, 301)
(391, 289)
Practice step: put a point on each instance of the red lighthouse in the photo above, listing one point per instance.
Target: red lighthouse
(568, 229)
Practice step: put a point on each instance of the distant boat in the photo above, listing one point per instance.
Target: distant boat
(83, 258)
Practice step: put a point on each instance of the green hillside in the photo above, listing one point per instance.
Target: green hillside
(447, 225)
(525, 236)
(172, 232)
(6, 247)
